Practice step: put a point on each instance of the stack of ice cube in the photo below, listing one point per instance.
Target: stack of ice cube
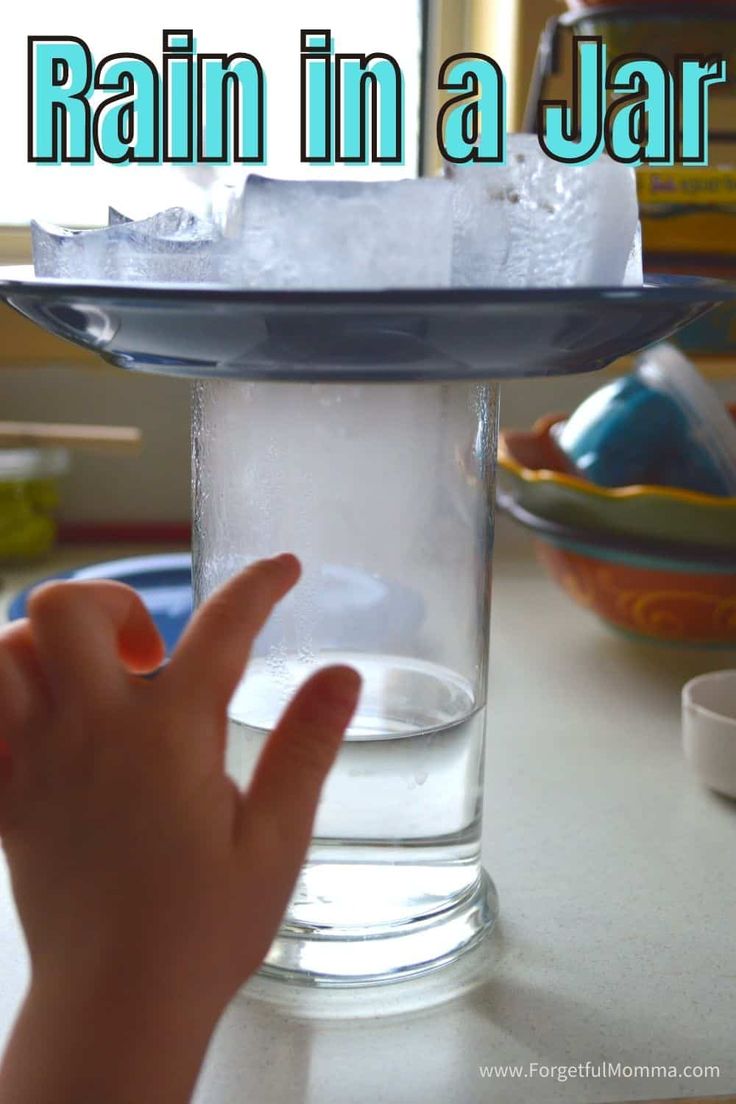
(532, 222)
(172, 246)
(343, 234)
(535, 222)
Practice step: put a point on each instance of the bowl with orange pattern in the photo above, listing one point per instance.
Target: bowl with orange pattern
(672, 593)
(533, 469)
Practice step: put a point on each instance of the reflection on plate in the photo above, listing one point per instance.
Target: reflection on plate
(201, 330)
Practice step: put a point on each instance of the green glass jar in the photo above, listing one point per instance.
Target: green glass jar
(29, 498)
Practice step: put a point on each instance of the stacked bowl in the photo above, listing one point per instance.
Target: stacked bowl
(653, 561)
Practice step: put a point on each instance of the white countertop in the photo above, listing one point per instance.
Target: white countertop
(617, 879)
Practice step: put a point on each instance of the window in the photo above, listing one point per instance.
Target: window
(80, 194)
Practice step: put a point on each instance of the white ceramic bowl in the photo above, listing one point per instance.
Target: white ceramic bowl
(709, 729)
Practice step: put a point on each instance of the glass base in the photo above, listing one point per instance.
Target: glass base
(375, 955)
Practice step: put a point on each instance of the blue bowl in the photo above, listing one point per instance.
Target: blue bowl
(660, 426)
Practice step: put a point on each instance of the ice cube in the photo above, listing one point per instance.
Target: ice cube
(635, 268)
(173, 246)
(346, 235)
(115, 217)
(535, 222)
(52, 247)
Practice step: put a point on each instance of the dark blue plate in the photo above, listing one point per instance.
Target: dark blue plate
(164, 582)
(355, 609)
(458, 333)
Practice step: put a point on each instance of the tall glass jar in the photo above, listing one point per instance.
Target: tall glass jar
(385, 493)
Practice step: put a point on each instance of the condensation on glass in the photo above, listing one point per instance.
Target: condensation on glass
(385, 493)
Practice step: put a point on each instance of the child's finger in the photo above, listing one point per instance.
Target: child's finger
(18, 639)
(83, 630)
(294, 764)
(22, 684)
(6, 778)
(15, 697)
(211, 656)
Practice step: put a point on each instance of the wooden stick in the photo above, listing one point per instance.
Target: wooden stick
(118, 440)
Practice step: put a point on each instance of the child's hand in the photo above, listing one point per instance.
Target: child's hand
(148, 886)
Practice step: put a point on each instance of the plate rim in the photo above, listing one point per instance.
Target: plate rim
(18, 280)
